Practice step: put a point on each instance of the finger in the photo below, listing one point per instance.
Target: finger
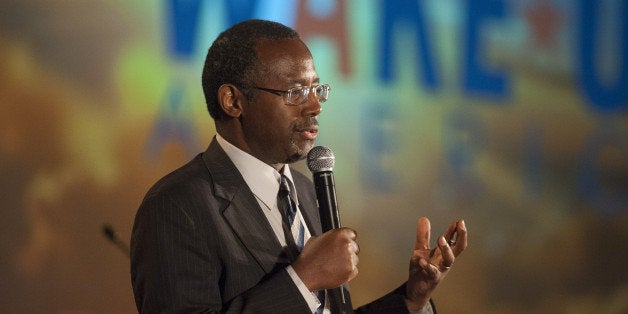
(446, 253)
(450, 233)
(355, 260)
(354, 273)
(354, 266)
(354, 247)
(422, 234)
(461, 238)
(350, 233)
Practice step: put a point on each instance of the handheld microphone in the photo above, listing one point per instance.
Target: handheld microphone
(320, 161)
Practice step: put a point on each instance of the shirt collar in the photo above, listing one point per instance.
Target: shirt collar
(262, 179)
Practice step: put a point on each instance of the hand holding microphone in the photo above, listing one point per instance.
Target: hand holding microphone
(329, 260)
(332, 257)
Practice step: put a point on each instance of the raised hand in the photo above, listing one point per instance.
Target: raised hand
(429, 266)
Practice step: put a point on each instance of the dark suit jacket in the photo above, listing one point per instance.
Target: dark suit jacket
(201, 243)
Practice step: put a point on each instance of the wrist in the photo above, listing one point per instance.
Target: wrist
(416, 306)
(302, 273)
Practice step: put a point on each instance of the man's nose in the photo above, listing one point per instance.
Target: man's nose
(311, 106)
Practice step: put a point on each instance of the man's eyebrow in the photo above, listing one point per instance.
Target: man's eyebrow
(302, 81)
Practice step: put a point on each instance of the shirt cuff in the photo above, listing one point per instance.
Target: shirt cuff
(309, 296)
(427, 309)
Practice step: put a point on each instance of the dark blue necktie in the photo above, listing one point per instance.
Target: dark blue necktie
(288, 208)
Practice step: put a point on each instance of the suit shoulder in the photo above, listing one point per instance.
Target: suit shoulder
(186, 180)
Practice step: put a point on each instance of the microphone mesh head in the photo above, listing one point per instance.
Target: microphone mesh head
(320, 158)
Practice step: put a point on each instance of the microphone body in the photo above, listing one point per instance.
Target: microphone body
(326, 197)
(320, 160)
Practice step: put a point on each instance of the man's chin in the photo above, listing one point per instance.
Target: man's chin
(300, 152)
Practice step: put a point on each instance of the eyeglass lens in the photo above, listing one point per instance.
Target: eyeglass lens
(298, 95)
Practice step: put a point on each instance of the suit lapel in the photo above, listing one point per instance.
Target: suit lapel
(242, 211)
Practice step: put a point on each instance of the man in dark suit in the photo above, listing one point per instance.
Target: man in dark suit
(212, 236)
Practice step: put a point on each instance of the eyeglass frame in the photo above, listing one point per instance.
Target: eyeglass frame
(289, 91)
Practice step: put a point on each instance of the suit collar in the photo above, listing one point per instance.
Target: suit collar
(242, 211)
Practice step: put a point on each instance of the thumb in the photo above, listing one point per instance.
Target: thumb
(423, 234)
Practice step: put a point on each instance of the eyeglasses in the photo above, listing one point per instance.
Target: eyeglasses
(298, 95)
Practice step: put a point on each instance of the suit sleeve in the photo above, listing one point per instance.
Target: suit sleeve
(393, 302)
(177, 266)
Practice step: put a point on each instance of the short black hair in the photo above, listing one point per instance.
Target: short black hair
(232, 58)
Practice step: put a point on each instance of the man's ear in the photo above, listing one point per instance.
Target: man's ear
(230, 99)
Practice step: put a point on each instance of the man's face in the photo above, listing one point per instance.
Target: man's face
(274, 131)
